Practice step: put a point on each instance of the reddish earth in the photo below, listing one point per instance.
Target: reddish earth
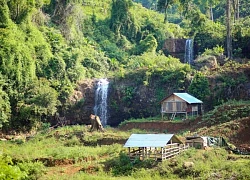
(236, 132)
(63, 169)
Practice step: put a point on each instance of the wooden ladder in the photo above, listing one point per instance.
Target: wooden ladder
(173, 116)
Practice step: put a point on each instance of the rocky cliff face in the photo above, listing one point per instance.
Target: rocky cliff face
(82, 102)
(175, 48)
(129, 98)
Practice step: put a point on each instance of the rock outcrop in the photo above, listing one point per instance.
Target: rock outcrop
(175, 48)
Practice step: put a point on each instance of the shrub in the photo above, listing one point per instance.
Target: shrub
(8, 170)
(33, 169)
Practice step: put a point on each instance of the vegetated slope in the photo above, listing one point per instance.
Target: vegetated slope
(230, 120)
(236, 132)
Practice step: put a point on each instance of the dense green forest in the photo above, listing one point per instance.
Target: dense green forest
(47, 46)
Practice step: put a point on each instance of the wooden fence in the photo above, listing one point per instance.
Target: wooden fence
(157, 153)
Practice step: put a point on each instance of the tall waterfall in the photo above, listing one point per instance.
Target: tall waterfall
(101, 95)
(189, 51)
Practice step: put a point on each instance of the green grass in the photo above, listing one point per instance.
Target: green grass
(110, 161)
(228, 111)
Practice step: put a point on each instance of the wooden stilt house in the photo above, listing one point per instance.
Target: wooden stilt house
(154, 146)
(181, 103)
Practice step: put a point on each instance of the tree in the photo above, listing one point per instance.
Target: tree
(199, 86)
(229, 33)
(164, 5)
(149, 44)
(122, 22)
(4, 14)
(39, 102)
(5, 109)
(236, 8)
(20, 9)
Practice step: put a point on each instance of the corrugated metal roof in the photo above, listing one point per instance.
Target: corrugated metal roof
(188, 98)
(148, 140)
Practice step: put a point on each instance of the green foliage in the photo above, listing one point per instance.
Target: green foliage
(16, 59)
(20, 14)
(122, 22)
(209, 35)
(241, 37)
(5, 108)
(129, 93)
(122, 166)
(4, 14)
(66, 41)
(228, 111)
(199, 87)
(8, 170)
(150, 119)
(34, 170)
(227, 83)
(109, 161)
(216, 51)
(149, 44)
(164, 5)
(40, 101)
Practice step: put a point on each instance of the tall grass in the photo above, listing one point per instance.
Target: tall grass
(110, 161)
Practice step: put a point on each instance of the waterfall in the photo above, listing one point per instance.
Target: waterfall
(101, 95)
(189, 51)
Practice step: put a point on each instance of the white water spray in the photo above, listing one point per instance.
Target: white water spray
(101, 95)
(189, 51)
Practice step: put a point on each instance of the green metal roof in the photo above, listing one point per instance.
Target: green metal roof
(150, 140)
(188, 98)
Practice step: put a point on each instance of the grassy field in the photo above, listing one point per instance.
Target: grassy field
(72, 152)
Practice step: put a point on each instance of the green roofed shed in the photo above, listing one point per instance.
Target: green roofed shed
(181, 103)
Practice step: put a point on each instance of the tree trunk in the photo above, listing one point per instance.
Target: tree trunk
(211, 13)
(166, 13)
(238, 9)
(229, 36)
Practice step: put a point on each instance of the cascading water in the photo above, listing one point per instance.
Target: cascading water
(101, 95)
(189, 51)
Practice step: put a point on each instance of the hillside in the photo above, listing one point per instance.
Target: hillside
(71, 152)
(230, 121)
(49, 47)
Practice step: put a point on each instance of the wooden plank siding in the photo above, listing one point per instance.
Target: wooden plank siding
(176, 105)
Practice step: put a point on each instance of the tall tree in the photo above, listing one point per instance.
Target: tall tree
(229, 33)
(122, 22)
(4, 14)
(236, 8)
(164, 5)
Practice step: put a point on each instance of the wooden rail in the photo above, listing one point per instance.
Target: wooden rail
(159, 154)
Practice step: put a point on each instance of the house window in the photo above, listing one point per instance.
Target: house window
(170, 106)
(178, 106)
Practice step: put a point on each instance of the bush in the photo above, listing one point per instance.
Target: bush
(122, 166)
(9, 171)
(33, 169)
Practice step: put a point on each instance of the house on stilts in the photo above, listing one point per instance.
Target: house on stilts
(181, 103)
(154, 146)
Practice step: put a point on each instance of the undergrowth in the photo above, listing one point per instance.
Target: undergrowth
(231, 110)
(111, 161)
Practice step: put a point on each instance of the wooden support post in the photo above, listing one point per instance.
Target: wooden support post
(143, 154)
(155, 153)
